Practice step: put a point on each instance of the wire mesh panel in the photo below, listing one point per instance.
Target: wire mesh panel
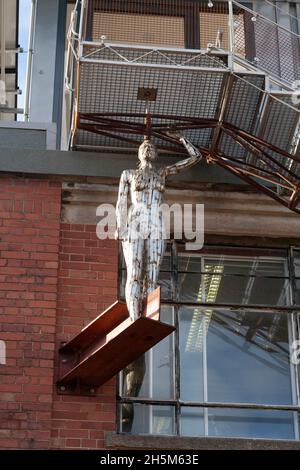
(215, 24)
(106, 88)
(242, 110)
(169, 23)
(269, 46)
(226, 113)
(140, 29)
(272, 129)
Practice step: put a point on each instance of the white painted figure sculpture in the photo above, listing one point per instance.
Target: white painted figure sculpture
(141, 228)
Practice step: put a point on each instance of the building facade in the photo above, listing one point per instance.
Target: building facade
(228, 377)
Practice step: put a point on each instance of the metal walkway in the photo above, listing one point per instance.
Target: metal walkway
(224, 102)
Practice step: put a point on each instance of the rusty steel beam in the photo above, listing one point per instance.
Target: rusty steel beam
(259, 152)
(273, 171)
(256, 172)
(256, 185)
(108, 344)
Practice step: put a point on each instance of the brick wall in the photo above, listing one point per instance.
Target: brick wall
(87, 285)
(29, 242)
(54, 279)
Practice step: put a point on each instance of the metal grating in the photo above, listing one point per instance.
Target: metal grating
(272, 129)
(179, 92)
(242, 109)
(227, 114)
(163, 23)
(157, 30)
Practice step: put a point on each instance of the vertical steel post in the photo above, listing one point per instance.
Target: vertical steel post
(231, 30)
(29, 61)
(3, 46)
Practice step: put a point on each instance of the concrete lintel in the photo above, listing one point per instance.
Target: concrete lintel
(57, 162)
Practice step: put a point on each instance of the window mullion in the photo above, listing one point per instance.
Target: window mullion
(204, 355)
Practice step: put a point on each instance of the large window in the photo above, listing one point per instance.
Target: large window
(226, 370)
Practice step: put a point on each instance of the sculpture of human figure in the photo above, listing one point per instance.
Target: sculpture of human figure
(141, 228)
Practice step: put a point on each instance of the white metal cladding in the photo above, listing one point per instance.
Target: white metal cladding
(8, 58)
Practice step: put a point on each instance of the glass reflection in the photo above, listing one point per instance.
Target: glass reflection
(149, 419)
(191, 329)
(250, 423)
(254, 352)
(239, 290)
(152, 375)
(225, 355)
(191, 421)
(297, 262)
(297, 292)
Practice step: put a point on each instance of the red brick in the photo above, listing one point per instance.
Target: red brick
(73, 443)
(86, 283)
(81, 433)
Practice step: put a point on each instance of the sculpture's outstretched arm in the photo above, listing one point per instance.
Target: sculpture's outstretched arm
(121, 206)
(195, 157)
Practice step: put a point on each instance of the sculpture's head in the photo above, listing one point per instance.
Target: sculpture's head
(147, 152)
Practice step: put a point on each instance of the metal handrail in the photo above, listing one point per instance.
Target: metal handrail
(76, 33)
(259, 15)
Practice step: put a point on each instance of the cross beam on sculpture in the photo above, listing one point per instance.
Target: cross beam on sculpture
(140, 224)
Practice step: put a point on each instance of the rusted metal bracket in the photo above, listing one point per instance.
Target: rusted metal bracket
(107, 345)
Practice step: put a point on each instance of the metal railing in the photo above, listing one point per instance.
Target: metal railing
(250, 38)
(269, 46)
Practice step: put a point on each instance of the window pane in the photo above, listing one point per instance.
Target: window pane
(152, 375)
(165, 285)
(191, 324)
(240, 290)
(166, 262)
(147, 419)
(225, 264)
(192, 421)
(251, 423)
(255, 266)
(248, 358)
(189, 263)
(297, 262)
(297, 293)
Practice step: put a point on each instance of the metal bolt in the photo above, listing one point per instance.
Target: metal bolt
(62, 388)
(92, 390)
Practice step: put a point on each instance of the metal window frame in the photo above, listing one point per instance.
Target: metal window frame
(294, 329)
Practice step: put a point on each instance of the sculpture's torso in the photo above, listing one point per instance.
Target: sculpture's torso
(146, 189)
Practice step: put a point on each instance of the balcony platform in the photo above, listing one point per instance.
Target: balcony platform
(216, 74)
(107, 345)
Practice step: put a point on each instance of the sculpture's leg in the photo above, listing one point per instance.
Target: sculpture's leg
(133, 376)
(155, 249)
(133, 254)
